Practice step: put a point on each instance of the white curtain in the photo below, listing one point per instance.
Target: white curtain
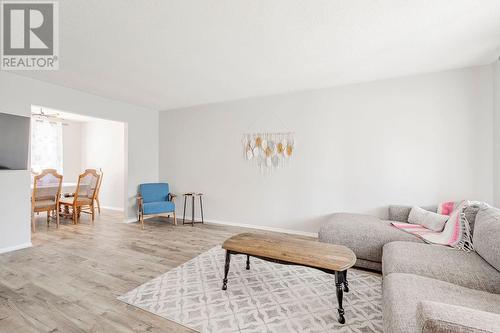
(46, 145)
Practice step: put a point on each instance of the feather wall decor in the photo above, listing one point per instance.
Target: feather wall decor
(269, 151)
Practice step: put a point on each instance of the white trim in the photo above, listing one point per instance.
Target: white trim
(118, 209)
(261, 227)
(16, 247)
(242, 225)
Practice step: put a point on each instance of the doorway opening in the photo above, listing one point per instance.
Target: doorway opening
(72, 143)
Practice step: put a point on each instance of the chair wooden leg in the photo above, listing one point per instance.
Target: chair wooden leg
(175, 219)
(98, 205)
(93, 213)
(33, 222)
(57, 216)
(74, 215)
(142, 221)
(48, 217)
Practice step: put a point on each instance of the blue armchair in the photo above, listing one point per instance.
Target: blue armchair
(155, 199)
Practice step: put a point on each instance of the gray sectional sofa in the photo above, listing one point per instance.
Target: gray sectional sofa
(427, 288)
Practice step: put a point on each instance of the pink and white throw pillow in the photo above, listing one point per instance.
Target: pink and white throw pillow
(446, 208)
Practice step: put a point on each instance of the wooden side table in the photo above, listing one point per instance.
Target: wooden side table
(192, 195)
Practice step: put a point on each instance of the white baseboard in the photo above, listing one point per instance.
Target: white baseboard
(261, 227)
(243, 225)
(118, 209)
(16, 247)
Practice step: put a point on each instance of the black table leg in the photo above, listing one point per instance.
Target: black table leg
(192, 211)
(201, 207)
(346, 284)
(226, 269)
(184, 214)
(339, 280)
(248, 262)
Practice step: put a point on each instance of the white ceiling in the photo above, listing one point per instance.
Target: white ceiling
(167, 54)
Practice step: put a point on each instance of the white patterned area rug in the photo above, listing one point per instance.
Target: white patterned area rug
(269, 297)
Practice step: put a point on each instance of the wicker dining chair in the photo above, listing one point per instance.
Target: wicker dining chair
(97, 201)
(83, 199)
(46, 195)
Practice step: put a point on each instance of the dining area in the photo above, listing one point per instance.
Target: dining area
(51, 195)
(68, 153)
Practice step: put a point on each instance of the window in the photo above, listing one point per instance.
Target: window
(46, 145)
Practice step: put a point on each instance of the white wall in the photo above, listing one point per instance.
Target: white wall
(103, 147)
(15, 221)
(18, 93)
(15, 201)
(415, 140)
(496, 168)
(72, 150)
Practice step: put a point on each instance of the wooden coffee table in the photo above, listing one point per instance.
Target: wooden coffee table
(290, 250)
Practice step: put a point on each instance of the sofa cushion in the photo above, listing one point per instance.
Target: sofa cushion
(434, 317)
(158, 207)
(363, 234)
(486, 237)
(402, 294)
(430, 220)
(470, 214)
(466, 269)
(401, 213)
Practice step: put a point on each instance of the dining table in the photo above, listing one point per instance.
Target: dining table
(65, 188)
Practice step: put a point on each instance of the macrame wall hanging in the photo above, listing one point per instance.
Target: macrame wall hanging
(269, 151)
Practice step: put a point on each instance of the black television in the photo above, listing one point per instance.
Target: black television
(14, 142)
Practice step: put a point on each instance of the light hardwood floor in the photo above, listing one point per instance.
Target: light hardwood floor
(69, 280)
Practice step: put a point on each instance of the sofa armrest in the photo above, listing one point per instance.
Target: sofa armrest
(433, 317)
